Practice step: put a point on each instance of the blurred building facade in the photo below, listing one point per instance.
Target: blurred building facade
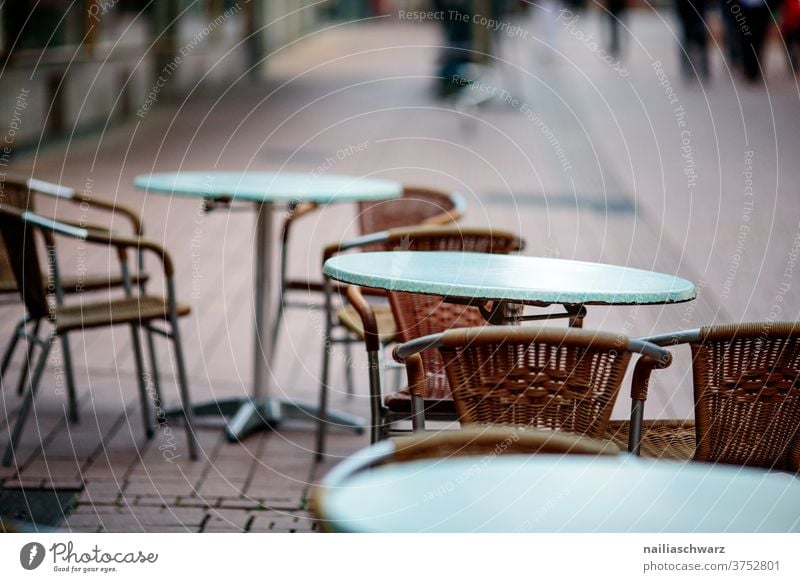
(75, 65)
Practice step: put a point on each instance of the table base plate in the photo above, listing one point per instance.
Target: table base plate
(250, 416)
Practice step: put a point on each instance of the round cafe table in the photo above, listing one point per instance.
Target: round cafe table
(550, 493)
(480, 278)
(266, 190)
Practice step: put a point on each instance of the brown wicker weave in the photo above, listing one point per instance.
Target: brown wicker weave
(661, 439)
(746, 394)
(417, 315)
(417, 207)
(562, 379)
(493, 440)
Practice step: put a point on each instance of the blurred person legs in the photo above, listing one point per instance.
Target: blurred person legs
(729, 10)
(694, 38)
(752, 31)
(456, 50)
(616, 12)
(790, 31)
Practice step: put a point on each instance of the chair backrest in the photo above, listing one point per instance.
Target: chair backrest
(747, 394)
(15, 193)
(416, 207)
(493, 441)
(417, 315)
(23, 258)
(554, 378)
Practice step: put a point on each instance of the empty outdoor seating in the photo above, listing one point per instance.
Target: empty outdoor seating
(415, 315)
(23, 194)
(416, 207)
(561, 379)
(746, 399)
(483, 443)
(43, 296)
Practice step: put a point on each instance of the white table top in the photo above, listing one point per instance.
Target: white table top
(576, 494)
(270, 187)
(508, 277)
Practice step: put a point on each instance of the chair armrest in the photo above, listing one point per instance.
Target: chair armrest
(122, 243)
(367, 315)
(133, 217)
(415, 370)
(58, 191)
(298, 212)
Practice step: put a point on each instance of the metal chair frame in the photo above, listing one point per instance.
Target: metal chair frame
(652, 355)
(35, 188)
(49, 229)
(381, 417)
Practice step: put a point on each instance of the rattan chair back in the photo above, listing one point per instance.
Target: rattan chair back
(747, 394)
(418, 315)
(561, 379)
(417, 206)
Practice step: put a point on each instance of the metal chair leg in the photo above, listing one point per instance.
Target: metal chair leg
(70, 374)
(154, 374)
(322, 418)
(23, 377)
(183, 382)
(12, 345)
(376, 430)
(24, 410)
(327, 345)
(348, 368)
(140, 374)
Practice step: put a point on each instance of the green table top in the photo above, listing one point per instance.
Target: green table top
(270, 186)
(577, 494)
(508, 277)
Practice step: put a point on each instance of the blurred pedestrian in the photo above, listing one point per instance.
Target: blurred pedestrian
(616, 10)
(693, 46)
(790, 30)
(752, 31)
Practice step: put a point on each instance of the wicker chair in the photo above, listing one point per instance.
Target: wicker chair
(417, 206)
(560, 379)
(746, 395)
(19, 228)
(415, 315)
(474, 441)
(22, 194)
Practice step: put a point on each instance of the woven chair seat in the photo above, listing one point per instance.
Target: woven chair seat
(661, 439)
(387, 329)
(104, 313)
(438, 399)
(78, 284)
